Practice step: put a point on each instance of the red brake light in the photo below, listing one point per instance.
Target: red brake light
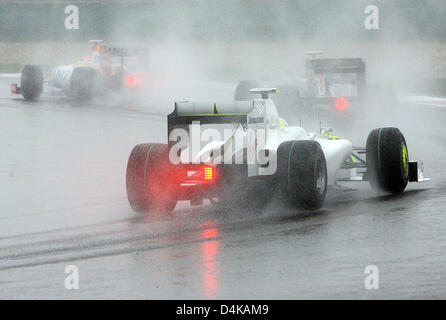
(341, 103)
(131, 80)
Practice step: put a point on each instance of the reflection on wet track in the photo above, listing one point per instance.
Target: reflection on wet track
(63, 202)
(210, 252)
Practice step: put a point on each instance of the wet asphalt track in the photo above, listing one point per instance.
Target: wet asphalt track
(63, 202)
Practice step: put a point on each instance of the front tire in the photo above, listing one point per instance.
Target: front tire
(31, 82)
(302, 173)
(387, 160)
(151, 179)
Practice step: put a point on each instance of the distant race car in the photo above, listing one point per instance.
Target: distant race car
(341, 84)
(94, 75)
(243, 153)
(338, 85)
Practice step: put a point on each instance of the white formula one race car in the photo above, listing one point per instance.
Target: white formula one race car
(243, 154)
(94, 75)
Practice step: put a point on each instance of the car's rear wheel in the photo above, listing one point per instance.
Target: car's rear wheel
(118, 79)
(381, 99)
(151, 179)
(302, 174)
(83, 83)
(289, 104)
(242, 90)
(238, 191)
(387, 160)
(31, 82)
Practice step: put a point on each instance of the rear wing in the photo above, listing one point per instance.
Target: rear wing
(118, 51)
(122, 52)
(321, 73)
(351, 65)
(186, 112)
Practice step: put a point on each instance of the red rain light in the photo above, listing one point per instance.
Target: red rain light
(209, 174)
(340, 103)
(131, 80)
(14, 88)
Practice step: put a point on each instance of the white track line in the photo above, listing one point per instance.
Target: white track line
(9, 75)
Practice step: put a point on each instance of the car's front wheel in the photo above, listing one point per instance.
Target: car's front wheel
(387, 160)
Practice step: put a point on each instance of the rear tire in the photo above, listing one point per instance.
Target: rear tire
(83, 83)
(118, 80)
(31, 82)
(151, 179)
(289, 104)
(239, 192)
(387, 160)
(242, 90)
(302, 173)
(381, 100)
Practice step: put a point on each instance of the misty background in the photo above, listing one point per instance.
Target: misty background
(232, 39)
